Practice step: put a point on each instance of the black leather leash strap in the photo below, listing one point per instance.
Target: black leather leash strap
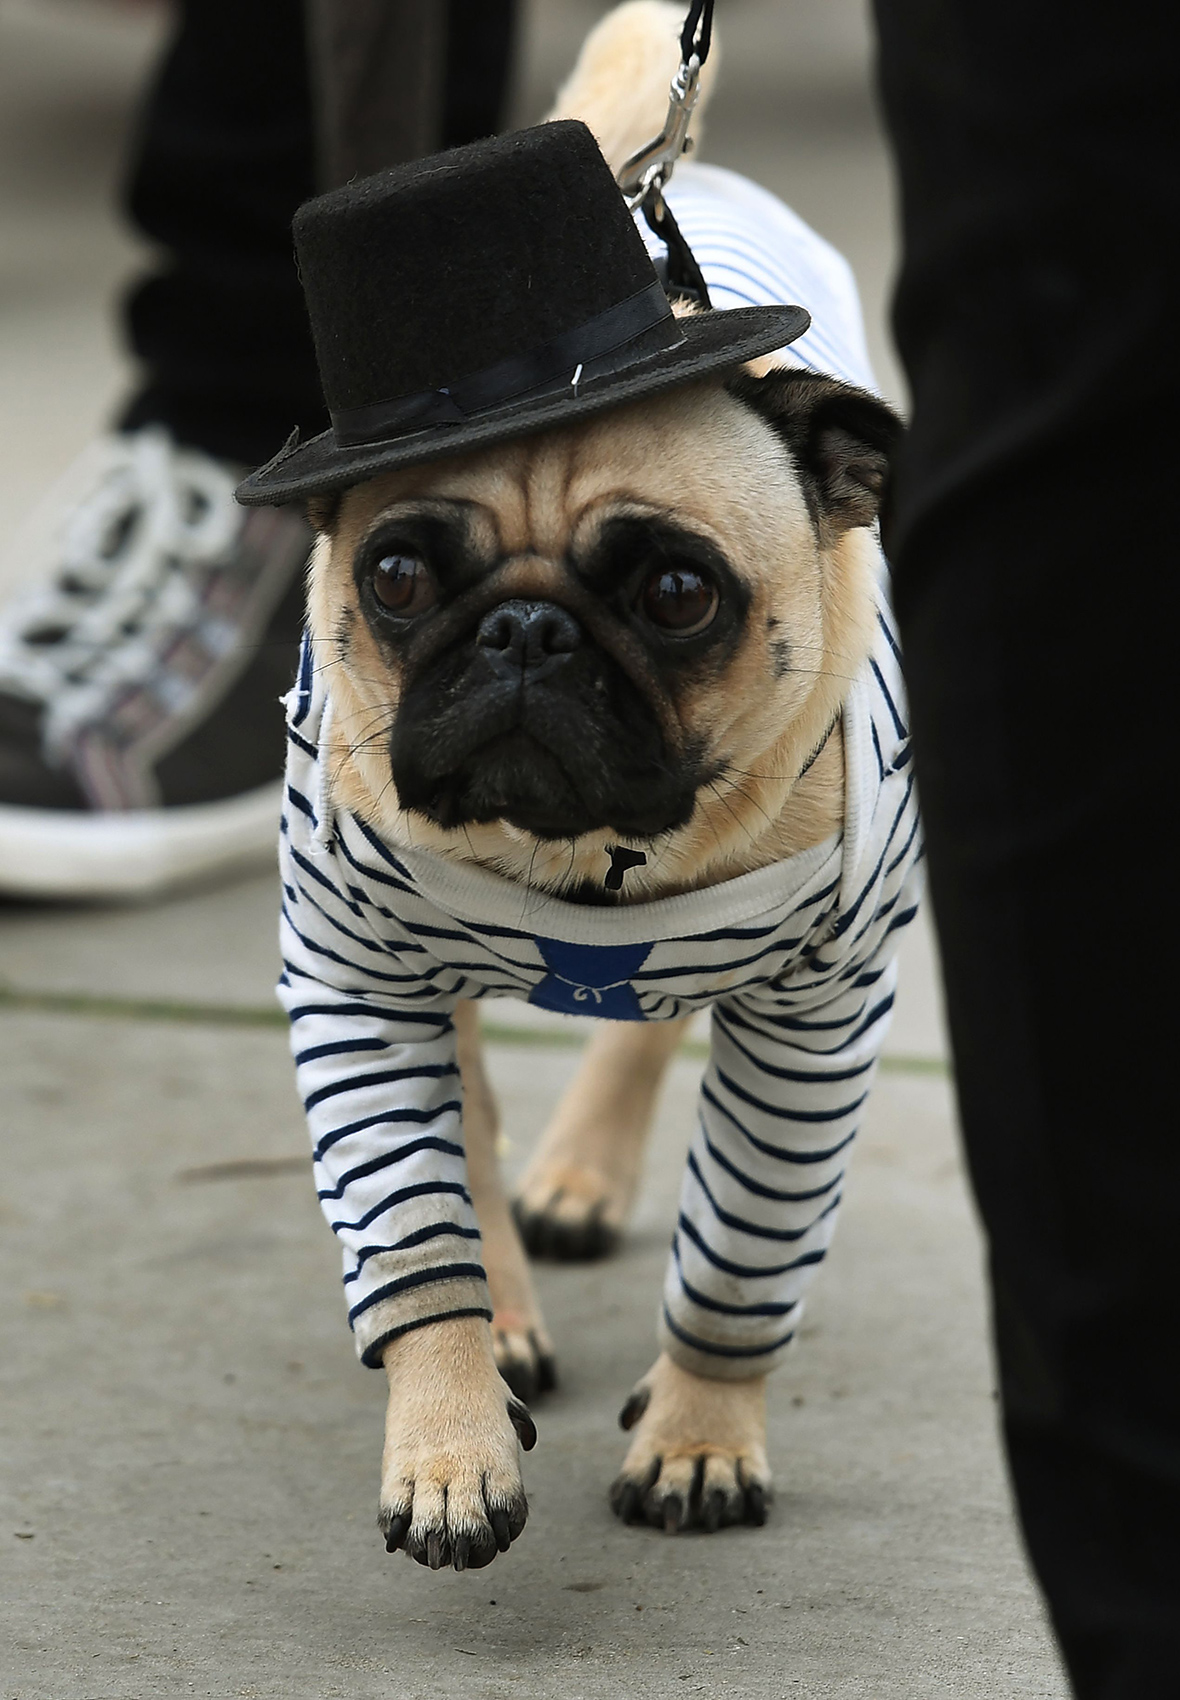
(680, 274)
(697, 34)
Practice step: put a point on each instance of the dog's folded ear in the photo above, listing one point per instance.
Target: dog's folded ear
(841, 439)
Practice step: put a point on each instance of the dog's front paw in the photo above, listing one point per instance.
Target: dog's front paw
(451, 1487)
(698, 1456)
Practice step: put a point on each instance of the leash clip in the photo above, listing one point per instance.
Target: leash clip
(647, 171)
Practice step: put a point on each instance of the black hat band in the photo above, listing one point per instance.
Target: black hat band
(642, 323)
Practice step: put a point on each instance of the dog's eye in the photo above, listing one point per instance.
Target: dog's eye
(679, 600)
(403, 585)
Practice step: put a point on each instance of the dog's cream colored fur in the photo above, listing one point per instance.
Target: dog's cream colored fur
(721, 468)
(450, 1446)
(519, 1336)
(451, 1464)
(585, 1172)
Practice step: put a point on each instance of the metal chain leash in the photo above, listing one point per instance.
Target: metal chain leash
(644, 176)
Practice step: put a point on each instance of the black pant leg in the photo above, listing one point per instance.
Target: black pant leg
(225, 156)
(481, 37)
(1034, 550)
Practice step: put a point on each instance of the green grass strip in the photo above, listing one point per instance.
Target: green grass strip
(555, 1038)
(109, 1008)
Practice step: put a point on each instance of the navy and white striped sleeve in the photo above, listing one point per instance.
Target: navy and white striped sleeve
(782, 1096)
(376, 1067)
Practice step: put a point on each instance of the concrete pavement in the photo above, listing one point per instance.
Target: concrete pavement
(189, 1447)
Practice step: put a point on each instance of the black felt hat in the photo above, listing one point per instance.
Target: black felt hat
(481, 294)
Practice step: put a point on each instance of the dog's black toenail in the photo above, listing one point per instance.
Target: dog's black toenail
(755, 1504)
(712, 1510)
(522, 1378)
(522, 1421)
(481, 1553)
(627, 1503)
(546, 1368)
(395, 1532)
(518, 1515)
(673, 1514)
(636, 1404)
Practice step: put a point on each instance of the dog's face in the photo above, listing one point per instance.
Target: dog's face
(635, 629)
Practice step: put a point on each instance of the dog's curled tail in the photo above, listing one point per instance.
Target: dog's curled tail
(619, 86)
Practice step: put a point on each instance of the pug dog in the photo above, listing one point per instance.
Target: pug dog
(607, 714)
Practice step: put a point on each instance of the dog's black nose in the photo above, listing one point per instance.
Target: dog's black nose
(528, 638)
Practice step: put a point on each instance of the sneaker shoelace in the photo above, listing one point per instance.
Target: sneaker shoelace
(130, 556)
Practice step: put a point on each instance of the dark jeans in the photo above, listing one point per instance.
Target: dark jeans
(1033, 541)
(225, 155)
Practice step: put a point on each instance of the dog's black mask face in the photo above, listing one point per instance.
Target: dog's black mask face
(545, 694)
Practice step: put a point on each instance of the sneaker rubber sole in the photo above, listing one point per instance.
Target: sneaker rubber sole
(64, 854)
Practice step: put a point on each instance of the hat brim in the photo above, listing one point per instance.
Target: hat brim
(712, 342)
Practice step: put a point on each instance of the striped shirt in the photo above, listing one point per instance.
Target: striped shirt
(796, 962)
(753, 250)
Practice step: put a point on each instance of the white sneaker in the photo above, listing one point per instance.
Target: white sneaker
(141, 735)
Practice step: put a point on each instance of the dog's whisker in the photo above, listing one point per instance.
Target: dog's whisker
(728, 806)
(712, 825)
(573, 858)
(819, 673)
(528, 881)
(763, 778)
(380, 727)
(754, 804)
